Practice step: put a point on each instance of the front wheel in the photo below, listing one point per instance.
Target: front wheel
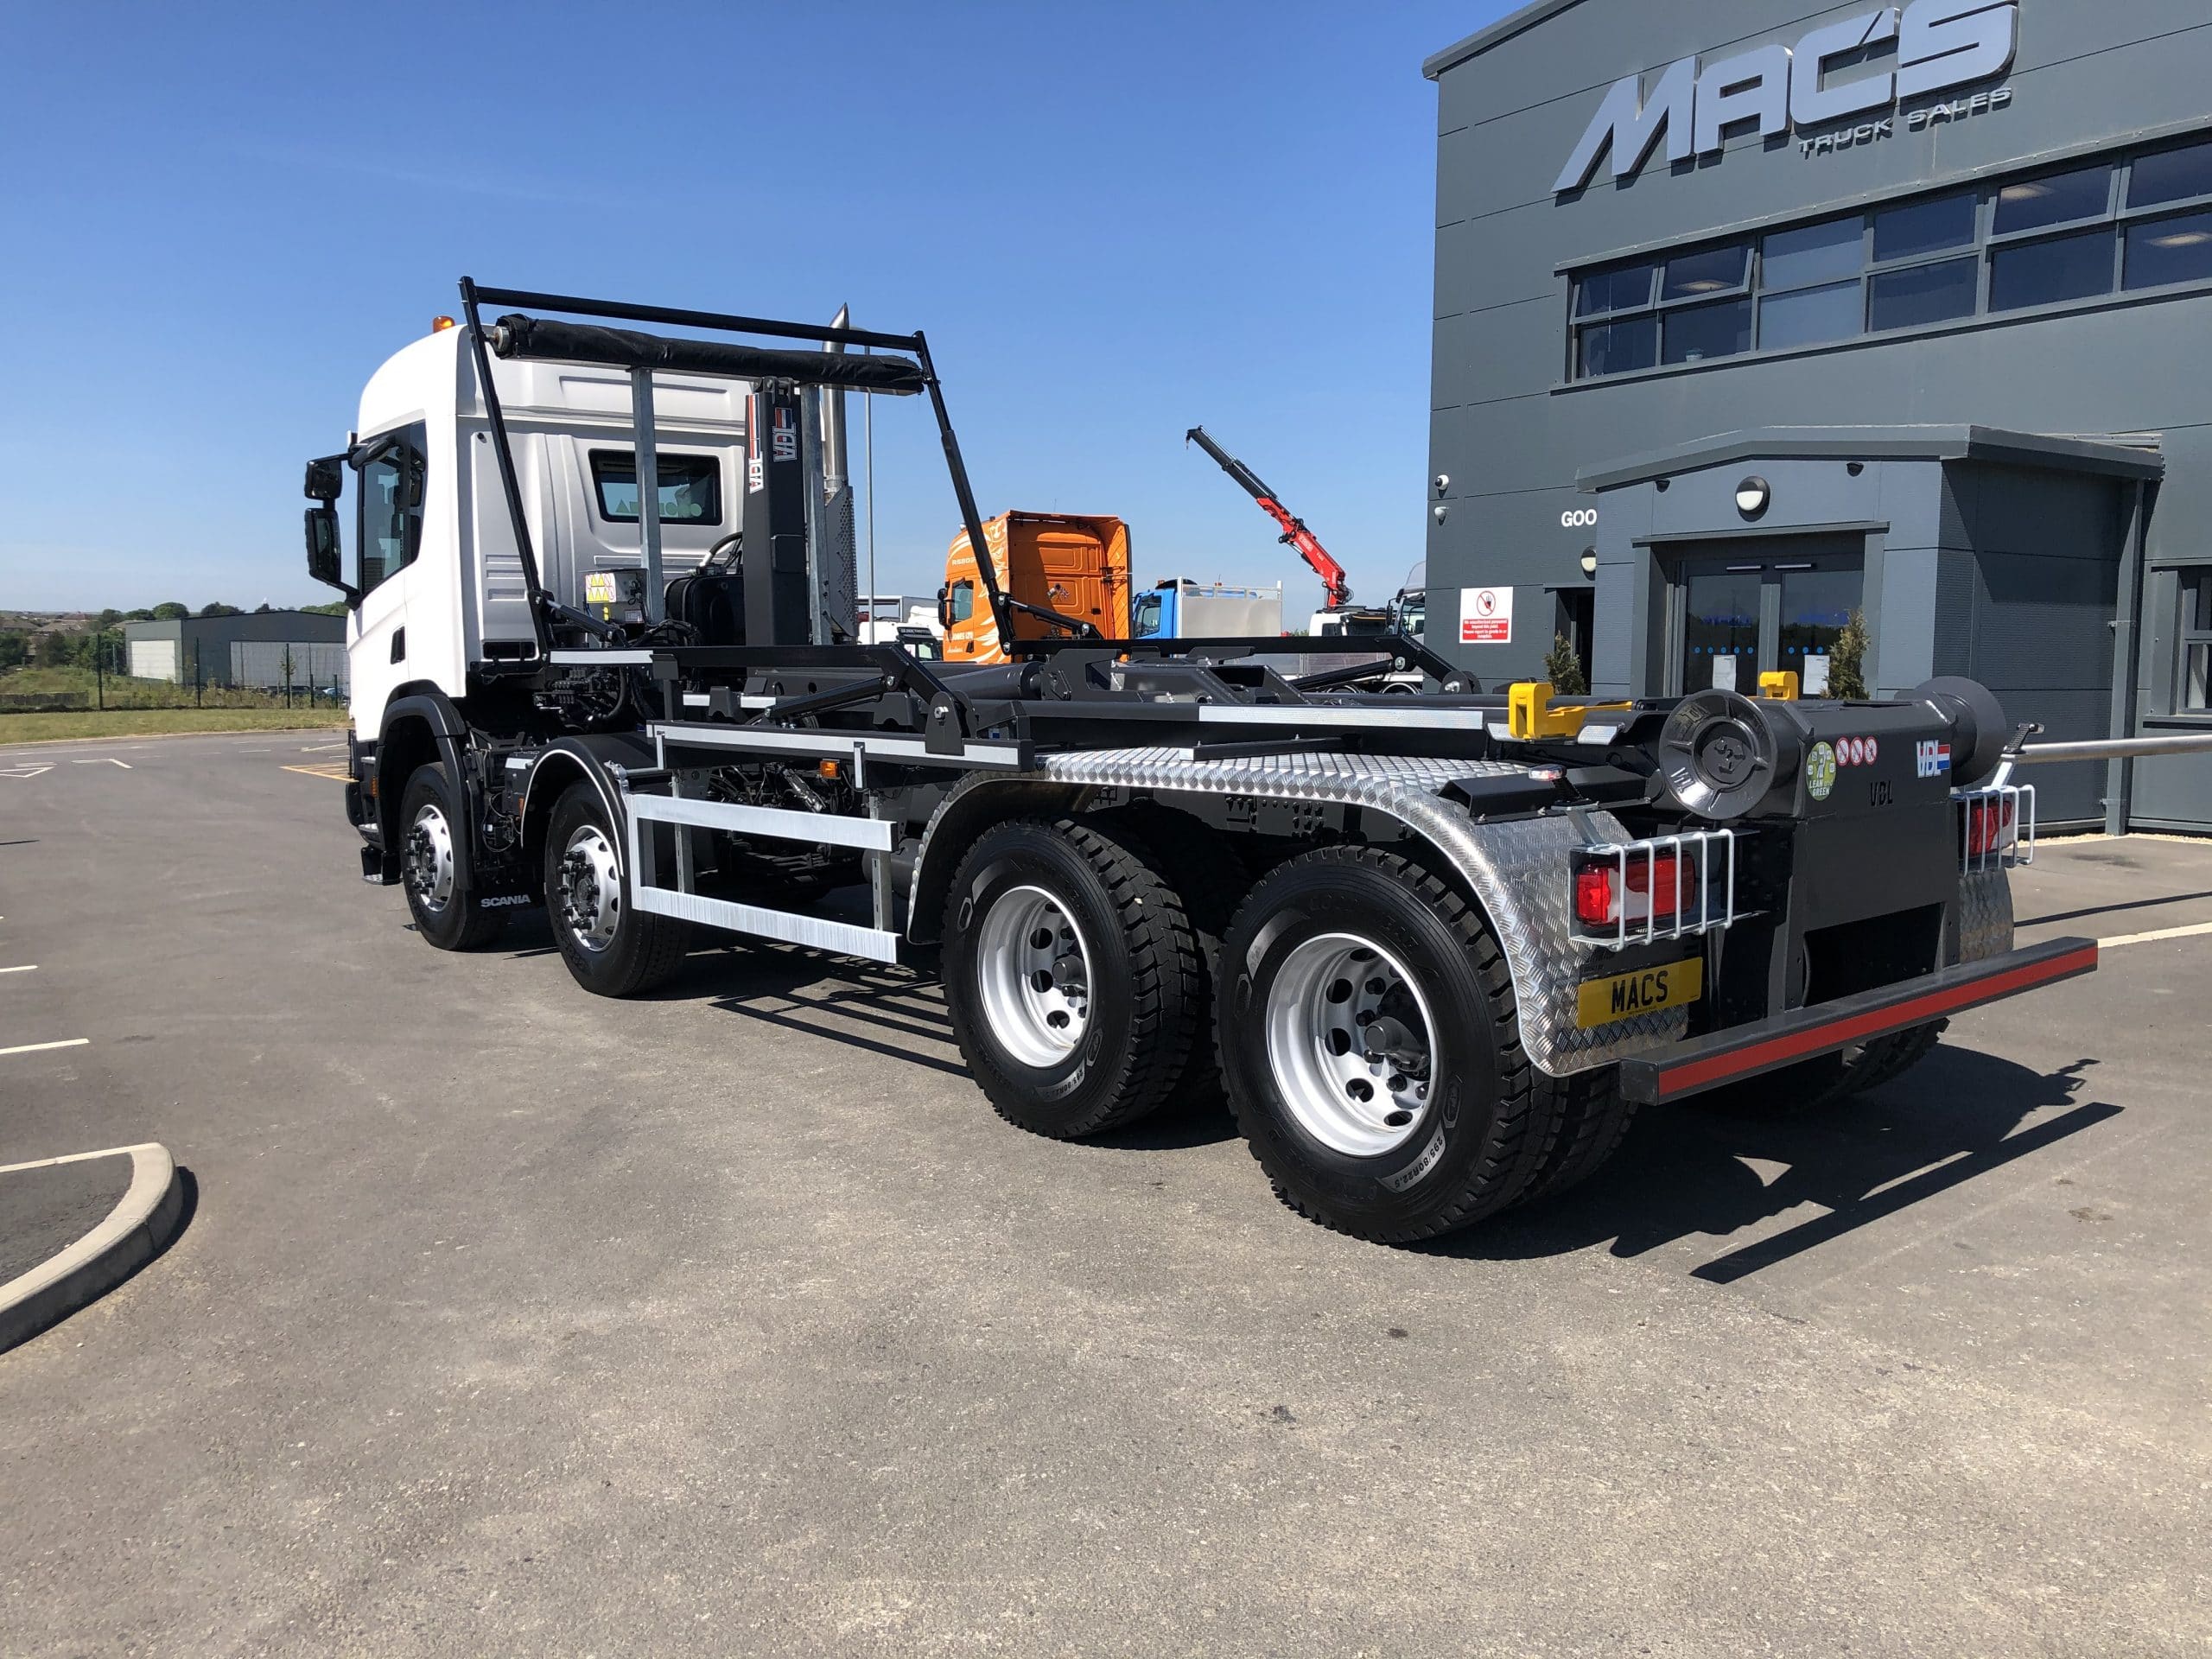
(435, 867)
(1369, 1040)
(613, 948)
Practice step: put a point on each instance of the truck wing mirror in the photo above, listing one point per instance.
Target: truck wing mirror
(944, 607)
(324, 560)
(326, 482)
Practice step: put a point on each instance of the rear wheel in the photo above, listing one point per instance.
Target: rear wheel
(1594, 1119)
(1073, 975)
(1370, 1044)
(612, 948)
(434, 864)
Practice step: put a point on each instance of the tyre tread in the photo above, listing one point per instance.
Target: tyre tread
(1527, 1120)
(1167, 990)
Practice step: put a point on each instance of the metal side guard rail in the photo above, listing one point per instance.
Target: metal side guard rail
(1663, 887)
(1997, 829)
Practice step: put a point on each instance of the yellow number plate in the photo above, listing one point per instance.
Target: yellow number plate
(1601, 1002)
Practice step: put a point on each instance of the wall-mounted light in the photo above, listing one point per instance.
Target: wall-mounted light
(1753, 497)
(1590, 562)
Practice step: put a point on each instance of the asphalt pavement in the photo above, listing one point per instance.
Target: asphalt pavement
(732, 1321)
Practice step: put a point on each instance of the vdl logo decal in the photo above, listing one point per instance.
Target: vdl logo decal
(1940, 44)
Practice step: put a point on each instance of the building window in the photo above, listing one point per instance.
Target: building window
(1635, 316)
(2196, 686)
(2056, 199)
(2077, 267)
(1811, 316)
(1699, 332)
(1935, 225)
(2170, 175)
(2142, 222)
(1919, 294)
(1621, 347)
(2167, 250)
(1817, 254)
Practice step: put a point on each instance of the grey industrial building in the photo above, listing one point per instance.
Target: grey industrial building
(1751, 315)
(262, 649)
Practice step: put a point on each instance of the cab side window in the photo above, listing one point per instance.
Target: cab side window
(963, 600)
(393, 470)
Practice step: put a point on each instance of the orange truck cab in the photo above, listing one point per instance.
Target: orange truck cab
(1076, 564)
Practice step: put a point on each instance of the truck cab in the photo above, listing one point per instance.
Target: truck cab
(435, 579)
(1074, 564)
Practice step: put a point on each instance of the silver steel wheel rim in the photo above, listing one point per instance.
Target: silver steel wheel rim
(590, 889)
(1351, 1045)
(429, 857)
(1033, 972)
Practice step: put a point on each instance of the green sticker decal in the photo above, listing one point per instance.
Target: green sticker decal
(1820, 772)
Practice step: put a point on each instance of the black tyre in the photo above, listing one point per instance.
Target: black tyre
(1594, 1119)
(612, 948)
(1212, 880)
(1370, 1044)
(1071, 973)
(435, 867)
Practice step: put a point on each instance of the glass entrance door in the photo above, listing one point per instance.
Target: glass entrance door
(1738, 615)
(1817, 602)
(1720, 629)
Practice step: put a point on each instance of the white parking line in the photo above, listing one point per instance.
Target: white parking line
(2196, 931)
(35, 1048)
(28, 967)
(102, 760)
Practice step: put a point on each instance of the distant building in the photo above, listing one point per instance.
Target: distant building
(265, 649)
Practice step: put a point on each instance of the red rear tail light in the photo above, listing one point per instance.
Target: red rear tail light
(1657, 888)
(1989, 825)
(1667, 880)
(1593, 896)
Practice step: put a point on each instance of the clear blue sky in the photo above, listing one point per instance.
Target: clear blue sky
(1113, 222)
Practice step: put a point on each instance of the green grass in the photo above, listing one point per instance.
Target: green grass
(161, 722)
(82, 689)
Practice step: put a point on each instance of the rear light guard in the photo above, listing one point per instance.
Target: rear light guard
(1997, 827)
(1634, 893)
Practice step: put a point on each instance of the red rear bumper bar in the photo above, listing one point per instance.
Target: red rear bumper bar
(1746, 1050)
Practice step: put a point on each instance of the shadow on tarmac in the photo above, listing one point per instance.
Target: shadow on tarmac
(1683, 1172)
(1680, 1174)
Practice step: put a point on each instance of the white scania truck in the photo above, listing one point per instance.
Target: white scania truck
(1434, 948)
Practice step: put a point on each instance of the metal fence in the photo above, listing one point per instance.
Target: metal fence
(270, 665)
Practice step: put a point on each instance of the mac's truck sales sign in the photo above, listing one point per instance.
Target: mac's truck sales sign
(1828, 81)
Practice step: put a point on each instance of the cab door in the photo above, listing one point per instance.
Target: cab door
(392, 472)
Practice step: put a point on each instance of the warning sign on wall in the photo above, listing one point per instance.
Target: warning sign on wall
(1485, 616)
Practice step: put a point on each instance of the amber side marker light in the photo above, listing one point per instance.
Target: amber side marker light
(439, 324)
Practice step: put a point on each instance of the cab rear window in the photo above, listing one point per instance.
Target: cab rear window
(690, 488)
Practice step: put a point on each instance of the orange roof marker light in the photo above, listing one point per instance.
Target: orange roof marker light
(439, 324)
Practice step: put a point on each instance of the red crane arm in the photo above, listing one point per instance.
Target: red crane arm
(1333, 581)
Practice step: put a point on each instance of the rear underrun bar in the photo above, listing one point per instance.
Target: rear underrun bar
(1802, 1033)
